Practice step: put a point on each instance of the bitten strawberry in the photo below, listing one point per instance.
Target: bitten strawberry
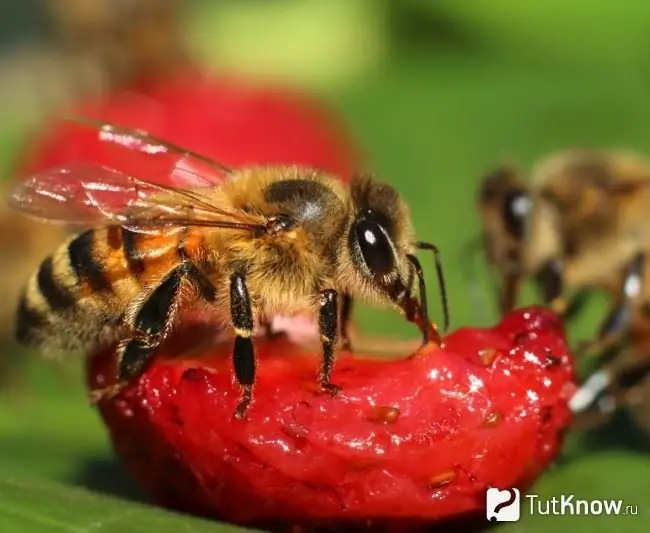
(408, 442)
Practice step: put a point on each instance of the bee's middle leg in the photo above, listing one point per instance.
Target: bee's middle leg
(328, 326)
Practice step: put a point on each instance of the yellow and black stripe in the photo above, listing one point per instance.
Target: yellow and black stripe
(91, 280)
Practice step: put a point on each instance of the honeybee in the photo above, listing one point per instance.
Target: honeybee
(244, 244)
(580, 225)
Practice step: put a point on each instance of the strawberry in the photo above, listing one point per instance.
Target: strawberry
(407, 442)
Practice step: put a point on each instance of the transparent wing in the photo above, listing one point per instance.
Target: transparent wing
(151, 158)
(96, 195)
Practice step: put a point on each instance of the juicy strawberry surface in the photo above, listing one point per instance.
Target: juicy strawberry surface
(410, 441)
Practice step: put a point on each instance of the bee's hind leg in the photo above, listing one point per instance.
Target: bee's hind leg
(152, 324)
(243, 353)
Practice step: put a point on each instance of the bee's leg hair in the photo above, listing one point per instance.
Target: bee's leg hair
(328, 325)
(156, 317)
(243, 353)
(346, 315)
(152, 323)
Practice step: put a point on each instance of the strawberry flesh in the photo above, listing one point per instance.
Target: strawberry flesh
(409, 442)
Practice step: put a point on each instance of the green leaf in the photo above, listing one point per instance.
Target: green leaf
(39, 506)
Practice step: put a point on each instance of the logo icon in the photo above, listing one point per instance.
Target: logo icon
(503, 505)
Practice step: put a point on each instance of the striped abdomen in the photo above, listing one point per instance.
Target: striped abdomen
(88, 283)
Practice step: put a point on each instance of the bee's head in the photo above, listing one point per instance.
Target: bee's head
(504, 204)
(375, 260)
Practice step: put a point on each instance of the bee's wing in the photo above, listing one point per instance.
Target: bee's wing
(96, 195)
(136, 152)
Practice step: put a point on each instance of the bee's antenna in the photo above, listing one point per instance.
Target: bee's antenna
(441, 281)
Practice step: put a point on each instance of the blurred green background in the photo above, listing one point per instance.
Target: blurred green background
(436, 92)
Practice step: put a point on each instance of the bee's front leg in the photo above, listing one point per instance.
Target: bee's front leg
(413, 312)
(328, 326)
(152, 324)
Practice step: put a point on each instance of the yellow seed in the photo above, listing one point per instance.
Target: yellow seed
(443, 478)
(488, 355)
(383, 414)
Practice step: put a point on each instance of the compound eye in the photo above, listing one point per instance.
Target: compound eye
(375, 247)
(516, 206)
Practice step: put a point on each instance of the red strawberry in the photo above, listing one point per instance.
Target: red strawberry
(406, 443)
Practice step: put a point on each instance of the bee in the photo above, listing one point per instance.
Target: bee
(580, 225)
(245, 245)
